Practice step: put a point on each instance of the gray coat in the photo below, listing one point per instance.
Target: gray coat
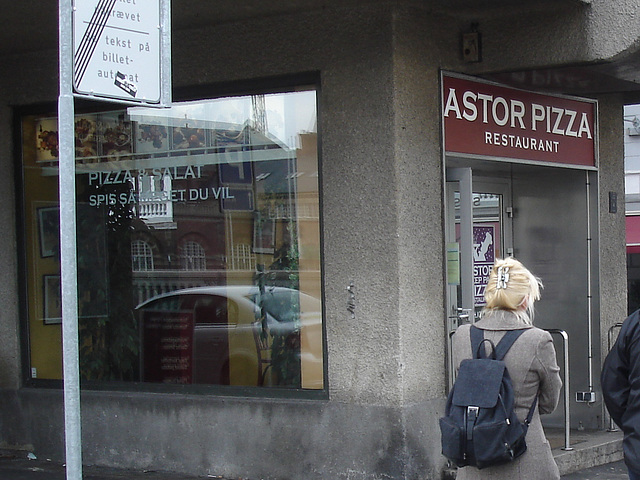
(532, 365)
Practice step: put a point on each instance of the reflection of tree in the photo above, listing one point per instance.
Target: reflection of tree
(287, 258)
(285, 347)
(108, 342)
(276, 197)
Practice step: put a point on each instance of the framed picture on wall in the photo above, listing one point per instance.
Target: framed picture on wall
(49, 231)
(47, 140)
(52, 299)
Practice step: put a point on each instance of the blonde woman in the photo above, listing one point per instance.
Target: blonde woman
(531, 361)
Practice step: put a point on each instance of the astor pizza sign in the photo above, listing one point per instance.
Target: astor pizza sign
(488, 120)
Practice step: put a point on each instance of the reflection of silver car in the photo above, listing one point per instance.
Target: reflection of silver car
(213, 335)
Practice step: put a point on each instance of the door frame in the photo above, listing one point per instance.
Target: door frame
(463, 180)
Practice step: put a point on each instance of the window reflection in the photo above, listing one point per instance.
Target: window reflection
(192, 256)
(209, 224)
(141, 256)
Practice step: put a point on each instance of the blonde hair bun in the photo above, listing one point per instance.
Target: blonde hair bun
(512, 287)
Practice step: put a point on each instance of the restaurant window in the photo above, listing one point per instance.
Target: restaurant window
(198, 243)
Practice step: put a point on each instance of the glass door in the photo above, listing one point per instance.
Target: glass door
(478, 230)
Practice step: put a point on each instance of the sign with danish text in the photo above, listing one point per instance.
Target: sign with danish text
(493, 121)
(117, 49)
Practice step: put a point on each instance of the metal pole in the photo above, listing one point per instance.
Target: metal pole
(165, 49)
(68, 267)
(612, 425)
(565, 385)
(589, 293)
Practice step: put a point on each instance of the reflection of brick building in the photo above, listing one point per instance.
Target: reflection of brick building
(213, 224)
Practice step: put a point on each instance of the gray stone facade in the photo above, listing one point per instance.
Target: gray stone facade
(382, 183)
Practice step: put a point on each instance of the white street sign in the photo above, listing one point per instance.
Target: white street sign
(117, 49)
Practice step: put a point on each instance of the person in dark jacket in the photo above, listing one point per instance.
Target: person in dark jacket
(620, 381)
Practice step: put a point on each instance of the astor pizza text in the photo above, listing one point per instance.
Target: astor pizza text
(488, 109)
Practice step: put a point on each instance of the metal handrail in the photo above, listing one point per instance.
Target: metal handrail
(452, 370)
(612, 425)
(565, 385)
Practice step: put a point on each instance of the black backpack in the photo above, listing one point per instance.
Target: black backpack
(480, 427)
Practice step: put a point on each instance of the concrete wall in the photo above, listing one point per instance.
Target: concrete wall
(386, 357)
(33, 80)
(613, 278)
(381, 173)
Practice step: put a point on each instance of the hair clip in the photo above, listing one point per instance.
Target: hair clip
(503, 277)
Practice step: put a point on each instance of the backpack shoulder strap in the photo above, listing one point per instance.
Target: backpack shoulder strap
(506, 342)
(477, 337)
(502, 348)
(531, 412)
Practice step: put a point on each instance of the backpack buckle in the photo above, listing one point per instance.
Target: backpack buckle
(472, 416)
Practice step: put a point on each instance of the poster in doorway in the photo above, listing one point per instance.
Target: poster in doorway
(484, 256)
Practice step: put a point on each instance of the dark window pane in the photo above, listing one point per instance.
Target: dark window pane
(198, 243)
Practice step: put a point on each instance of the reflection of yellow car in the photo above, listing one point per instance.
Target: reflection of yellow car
(214, 335)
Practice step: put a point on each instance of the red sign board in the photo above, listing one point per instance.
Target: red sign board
(489, 120)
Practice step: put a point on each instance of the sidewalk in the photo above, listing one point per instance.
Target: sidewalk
(20, 469)
(594, 455)
(12, 468)
(589, 449)
(610, 471)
